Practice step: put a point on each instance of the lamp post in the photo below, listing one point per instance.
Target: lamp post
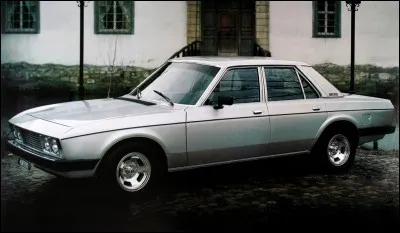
(81, 5)
(352, 6)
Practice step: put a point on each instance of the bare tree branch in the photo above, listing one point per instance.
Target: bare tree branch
(112, 64)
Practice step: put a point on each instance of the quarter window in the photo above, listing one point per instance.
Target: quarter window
(20, 16)
(242, 84)
(283, 84)
(308, 89)
(114, 17)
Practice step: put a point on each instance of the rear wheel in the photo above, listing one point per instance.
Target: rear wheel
(336, 150)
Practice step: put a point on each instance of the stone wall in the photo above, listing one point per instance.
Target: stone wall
(369, 79)
(53, 78)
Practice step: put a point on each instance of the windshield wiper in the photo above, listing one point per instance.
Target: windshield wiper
(138, 93)
(165, 97)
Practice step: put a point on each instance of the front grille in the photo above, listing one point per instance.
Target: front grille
(31, 139)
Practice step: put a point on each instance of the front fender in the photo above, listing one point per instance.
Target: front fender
(172, 138)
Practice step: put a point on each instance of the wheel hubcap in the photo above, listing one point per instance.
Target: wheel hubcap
(133, 171)
(338, 150)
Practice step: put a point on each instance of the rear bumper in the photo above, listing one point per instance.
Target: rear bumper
(66, 168)
(381, 130)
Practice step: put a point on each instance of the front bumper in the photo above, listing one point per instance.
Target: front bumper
(65, 168)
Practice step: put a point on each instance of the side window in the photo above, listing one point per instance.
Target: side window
(308, 89)
(242, 84)
(283, 84)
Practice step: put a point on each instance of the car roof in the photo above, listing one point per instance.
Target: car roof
(236, 61)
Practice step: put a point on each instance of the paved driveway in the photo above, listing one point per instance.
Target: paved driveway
(244, 196)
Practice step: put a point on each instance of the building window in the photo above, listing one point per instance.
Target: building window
(114, 17)
(326, 19)
(20, 16)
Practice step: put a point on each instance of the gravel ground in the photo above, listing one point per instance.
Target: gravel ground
(247, 196)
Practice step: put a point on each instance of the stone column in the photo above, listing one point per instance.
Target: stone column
(262, 24)
(193, 18)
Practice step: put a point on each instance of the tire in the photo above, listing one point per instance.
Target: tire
(142, 169)
(336, 150)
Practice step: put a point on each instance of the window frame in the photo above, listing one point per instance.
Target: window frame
(129, 31)
(337, 29)
(6, 30)
(298, 74)
(260, 82)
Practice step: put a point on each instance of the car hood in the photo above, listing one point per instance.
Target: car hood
(78, 113)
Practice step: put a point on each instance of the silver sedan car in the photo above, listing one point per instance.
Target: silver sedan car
(194, 112)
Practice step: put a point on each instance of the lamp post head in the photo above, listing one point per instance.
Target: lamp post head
(351, 4)
(82, 3)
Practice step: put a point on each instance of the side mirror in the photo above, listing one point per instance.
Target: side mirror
(223, 100)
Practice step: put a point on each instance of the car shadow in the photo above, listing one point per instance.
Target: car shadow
(187, 181)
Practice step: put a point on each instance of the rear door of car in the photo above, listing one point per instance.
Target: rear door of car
(295, 108)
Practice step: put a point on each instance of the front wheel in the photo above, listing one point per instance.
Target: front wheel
(336, 150)
(134, 168)
(133, 171)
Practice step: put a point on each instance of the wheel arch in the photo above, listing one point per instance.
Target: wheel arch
(145, 139)
(336, 122)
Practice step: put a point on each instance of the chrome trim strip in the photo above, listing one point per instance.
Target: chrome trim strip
(137, 127)
(264, 83)
(112, 130)
(30, 114)
(301, 84)
(235, 161)
(263, 96)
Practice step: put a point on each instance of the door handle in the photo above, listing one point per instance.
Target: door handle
(315, 108)
(256, 112)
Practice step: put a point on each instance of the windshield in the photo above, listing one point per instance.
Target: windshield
(182, 83)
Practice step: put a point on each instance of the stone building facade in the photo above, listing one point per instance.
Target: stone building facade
(40, 39)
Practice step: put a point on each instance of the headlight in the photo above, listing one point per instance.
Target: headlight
(47, 144)
(51, 146)
(17, 134)
(54, 146)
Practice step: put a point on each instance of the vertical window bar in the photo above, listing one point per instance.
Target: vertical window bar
(301, 84)
(115, 15)
(326, 17)
(20, 15)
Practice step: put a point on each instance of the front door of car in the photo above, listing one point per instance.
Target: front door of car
(296, 111)
(235, 132)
